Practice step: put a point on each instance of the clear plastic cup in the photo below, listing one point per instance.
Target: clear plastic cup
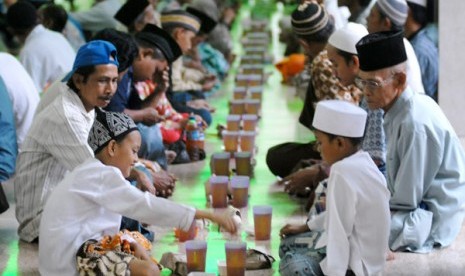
(262, 221)
(220, 163)
(240, 190)
(247, 140)
(230, 140)
(235, 258)
(233, 122)
(243, 163)
(219, 191)
(196, 253)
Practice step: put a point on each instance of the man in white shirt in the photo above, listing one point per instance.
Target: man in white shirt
(46, 55)
(57, 140)
(22, 92)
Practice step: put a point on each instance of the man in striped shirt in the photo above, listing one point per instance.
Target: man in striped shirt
(57, 140)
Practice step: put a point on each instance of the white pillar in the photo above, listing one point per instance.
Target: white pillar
(452, 63)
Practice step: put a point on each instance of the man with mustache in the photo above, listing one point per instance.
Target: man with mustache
(57, 141)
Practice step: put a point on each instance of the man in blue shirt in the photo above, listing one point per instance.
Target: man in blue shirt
(425, 162)
(8, 147)
(425, 49)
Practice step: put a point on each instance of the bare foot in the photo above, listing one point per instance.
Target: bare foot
(390, 256)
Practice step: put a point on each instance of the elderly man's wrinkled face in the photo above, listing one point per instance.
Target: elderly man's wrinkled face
(381, 88)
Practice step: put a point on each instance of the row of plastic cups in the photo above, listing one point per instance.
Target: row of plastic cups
(244, 106)
(221, 163)
(252, 92)
(249, 122)
(219, 187)
(233, 139)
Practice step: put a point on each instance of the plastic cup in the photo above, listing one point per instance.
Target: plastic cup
(252, 106)
(230, 140)
(220, 162)
(262, 222)
(240, 92)
(256, 92)
(237, 107)
(240, 190)
(196, 252)
(249, 122)
(243, 163)
(255, 80)
(219, 191)
(242, 80)
(247, 139)
(235, 258)
(233, 122)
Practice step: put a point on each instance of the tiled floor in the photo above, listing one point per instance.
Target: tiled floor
(278, 124)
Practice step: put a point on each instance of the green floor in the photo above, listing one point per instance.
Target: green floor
(280, 109)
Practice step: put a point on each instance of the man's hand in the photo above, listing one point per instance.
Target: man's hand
(143, 181)
(150, 116)
(302, 182)
(164, 182)
(290, 229)
(208, 84)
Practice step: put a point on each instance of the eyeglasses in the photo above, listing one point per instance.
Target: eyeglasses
(372, 85)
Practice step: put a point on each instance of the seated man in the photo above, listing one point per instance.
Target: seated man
(57, 140)
(425, 160)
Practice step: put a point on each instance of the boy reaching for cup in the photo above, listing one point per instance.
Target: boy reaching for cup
(89, 203)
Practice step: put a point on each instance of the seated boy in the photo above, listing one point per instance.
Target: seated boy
(352, 234)
(90, 201)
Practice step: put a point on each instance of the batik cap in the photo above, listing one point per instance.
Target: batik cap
(130, 11)
(340, 118)
(395, 10)
(381, 50)
(162, 40)
(96, 52)
(109, 126)
(346, 37)
(181, 19)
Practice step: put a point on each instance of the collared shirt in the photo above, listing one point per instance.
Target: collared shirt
(46, 55)
(96, 196)
(425, 165)
(8, 148)
(99, 16)
(55, 144)
(427, 55)
(357, 218)
(182, 78)
(22, 92)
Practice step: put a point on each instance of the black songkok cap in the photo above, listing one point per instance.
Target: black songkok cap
(207, 24)
(162, 40)
(381, 50)
(130, 11)
(21, 15)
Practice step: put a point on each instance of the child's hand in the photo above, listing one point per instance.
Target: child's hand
(290, 229)
(225, 221)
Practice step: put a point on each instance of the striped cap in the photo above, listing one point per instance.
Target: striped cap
(180, 19)
(395, 10)
(309, 18)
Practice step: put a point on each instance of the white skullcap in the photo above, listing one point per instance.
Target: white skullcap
(422, 3)
(340, 118)
(346, 37)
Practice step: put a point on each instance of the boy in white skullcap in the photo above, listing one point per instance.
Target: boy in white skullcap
(96, 193)
(351, 236)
